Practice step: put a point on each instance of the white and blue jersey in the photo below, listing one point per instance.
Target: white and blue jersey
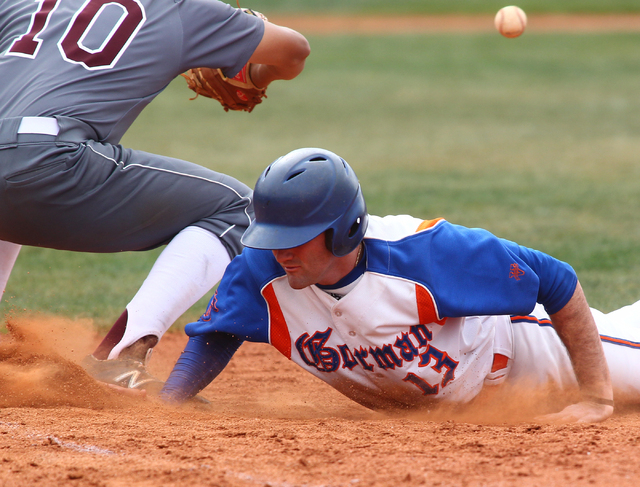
(422, 323)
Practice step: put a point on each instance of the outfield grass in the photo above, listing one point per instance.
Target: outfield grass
(435, 6)
(536, 139)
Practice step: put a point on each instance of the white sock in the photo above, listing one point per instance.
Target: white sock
(8, 255)
(187, 269)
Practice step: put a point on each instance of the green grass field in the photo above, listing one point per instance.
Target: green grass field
(435, 6)
(535, 139)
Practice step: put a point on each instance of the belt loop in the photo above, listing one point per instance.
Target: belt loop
(9, 132)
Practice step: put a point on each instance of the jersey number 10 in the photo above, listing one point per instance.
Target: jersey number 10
(71, 43)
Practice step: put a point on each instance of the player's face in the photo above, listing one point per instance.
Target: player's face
(309, 263)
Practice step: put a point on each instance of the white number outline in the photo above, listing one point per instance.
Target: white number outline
(36, 37)
(109, 37)
(38, 40)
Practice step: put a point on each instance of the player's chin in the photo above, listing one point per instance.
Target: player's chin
(298, 281)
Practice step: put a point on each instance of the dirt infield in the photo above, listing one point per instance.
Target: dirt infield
(270, 424)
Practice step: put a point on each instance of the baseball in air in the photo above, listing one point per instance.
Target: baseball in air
(511, 21)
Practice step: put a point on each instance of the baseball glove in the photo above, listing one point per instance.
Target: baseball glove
(237, 93)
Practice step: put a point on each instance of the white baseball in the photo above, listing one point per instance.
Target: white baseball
(511, 21)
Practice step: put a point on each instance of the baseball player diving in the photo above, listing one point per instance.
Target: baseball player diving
(75, 75)
(399, 312)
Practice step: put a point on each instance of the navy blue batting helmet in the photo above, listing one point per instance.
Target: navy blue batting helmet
(301, 195)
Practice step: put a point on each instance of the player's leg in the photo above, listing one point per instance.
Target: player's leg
(620, 336)
(8, 255)
(188, 268)
(103, 198)
(541, 359)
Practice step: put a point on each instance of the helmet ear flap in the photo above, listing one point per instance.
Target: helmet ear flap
(349, 231)
(354, 228)
(328, 239)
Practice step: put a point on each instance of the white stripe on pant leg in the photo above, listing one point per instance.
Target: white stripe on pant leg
(187, 269)
(8, 255)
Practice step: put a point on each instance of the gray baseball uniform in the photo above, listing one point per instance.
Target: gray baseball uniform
(81, 71)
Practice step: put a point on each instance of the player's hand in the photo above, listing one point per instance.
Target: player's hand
(582, 412)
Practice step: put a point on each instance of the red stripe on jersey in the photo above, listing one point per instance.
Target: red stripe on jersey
(427, 307)
(278, 329)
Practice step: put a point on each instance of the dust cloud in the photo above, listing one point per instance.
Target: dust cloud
(39, 364)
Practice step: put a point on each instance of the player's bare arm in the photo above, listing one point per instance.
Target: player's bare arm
(577, 329)
(280, 55)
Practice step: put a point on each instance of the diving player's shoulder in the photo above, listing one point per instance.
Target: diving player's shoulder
(397, 227)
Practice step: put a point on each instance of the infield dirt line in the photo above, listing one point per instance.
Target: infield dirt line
(328, 24)
(20, 430)
(259, 481)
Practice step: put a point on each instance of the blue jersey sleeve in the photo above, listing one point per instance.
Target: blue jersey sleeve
(237, 312)
(471, 272)
(238, 307)
(202, 360)
(558, 280)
